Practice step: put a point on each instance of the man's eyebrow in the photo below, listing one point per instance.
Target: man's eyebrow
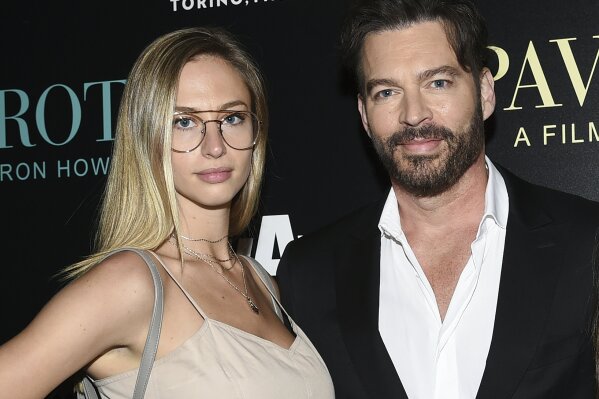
(429, 73)
(445, 69)
(371, 84)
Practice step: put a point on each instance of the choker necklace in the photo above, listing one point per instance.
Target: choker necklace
(202, 239)
(212, 257)
(213, 263)
(203, 256)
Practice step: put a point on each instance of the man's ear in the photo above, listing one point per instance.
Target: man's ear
(364, 115)
(487, 92)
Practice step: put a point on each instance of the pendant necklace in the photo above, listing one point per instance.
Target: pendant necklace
(213, 265)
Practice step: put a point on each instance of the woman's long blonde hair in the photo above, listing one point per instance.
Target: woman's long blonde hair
(139, 207)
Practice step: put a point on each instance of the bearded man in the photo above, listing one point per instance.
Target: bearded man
(465, 282)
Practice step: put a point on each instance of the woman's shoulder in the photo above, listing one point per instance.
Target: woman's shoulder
(107, 307)
(118, 289)
(126, 263)
(112, 301)
(123, 276)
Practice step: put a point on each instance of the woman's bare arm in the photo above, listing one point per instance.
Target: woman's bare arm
(108, 307)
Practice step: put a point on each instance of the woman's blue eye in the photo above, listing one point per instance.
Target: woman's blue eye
(233, 119)
(184, 123)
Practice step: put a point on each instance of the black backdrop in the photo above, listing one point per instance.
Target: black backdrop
(64, 64)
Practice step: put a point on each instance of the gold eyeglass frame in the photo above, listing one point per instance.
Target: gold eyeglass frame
(220, 130)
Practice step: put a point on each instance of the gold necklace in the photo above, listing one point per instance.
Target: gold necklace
(202, 239)
(173, 240)
(214, 258)
(243, 293)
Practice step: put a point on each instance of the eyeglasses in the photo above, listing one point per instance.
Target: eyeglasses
(238, 129)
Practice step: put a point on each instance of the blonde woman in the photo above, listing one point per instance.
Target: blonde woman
(185, 176)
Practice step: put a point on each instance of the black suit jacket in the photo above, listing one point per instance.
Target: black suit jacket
(541, 345)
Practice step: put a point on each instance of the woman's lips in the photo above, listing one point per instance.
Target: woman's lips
(215, 175)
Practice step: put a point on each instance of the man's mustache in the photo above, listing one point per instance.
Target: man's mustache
(430, 132)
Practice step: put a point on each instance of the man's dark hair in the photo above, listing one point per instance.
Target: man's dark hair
(464, 26)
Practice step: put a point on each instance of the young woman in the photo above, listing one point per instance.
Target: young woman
(185, 176)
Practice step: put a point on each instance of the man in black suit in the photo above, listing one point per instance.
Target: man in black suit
(465, 281)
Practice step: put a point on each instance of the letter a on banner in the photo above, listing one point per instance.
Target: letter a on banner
(274, 228)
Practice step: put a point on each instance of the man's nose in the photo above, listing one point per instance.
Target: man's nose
(414, 108)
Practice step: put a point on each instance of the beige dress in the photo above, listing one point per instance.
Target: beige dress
(221, 361)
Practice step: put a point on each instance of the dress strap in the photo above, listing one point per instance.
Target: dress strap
(193, 302)
(265, 278)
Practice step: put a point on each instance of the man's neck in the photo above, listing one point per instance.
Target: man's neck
(441, 229)
(461, 205)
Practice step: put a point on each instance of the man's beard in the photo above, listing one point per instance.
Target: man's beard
(421, 177)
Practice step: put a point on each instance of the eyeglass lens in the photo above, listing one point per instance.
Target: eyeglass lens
(236, 128)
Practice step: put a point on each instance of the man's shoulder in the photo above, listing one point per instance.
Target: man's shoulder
(361, 221)
(558, 204)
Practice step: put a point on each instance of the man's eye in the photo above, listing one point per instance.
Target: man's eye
(384, 93)
(439, 84)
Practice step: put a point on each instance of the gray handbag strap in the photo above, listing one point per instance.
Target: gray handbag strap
(151, 345)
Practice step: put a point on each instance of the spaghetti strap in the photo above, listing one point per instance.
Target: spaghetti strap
(265, 278)
(193, 302)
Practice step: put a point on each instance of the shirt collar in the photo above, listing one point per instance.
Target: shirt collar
(390, 223)
(496, 206)
(496, 197)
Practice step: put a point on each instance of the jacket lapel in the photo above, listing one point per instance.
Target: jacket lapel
(357, 282)
(529, 275)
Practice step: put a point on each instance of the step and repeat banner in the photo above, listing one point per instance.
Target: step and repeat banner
(64, 65)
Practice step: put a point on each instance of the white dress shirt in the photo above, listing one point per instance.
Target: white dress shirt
(441, 359)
